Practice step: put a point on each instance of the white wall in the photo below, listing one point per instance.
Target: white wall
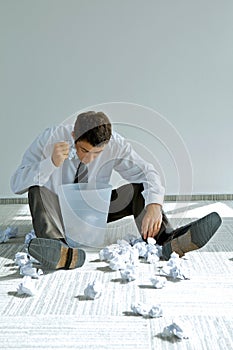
(173, 56)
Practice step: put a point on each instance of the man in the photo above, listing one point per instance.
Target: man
(46, 165)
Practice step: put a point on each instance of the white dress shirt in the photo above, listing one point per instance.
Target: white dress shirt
(37, 167)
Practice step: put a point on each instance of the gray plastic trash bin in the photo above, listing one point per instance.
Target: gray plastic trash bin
(84, 210)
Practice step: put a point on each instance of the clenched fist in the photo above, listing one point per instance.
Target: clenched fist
(60, 153)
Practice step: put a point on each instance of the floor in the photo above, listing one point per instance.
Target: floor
(60, 317)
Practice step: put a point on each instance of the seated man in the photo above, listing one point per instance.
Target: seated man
(46, 165)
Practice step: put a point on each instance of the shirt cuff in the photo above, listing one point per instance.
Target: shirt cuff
(153, 198)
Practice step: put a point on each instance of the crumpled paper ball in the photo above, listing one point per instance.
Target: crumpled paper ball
(27, 286)
(173, 330)
(150, 251)
(152, 258)
(72, 152)
(129, 273)
(29, 270)
(9, 232)
(142, 249)
(174, 269)
(93, 290)
(21, 258)
(29, 236)
(158, 282)
(147, 310)
(119, 255)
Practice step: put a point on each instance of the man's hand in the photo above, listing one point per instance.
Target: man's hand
(152, 221)
(60, 153)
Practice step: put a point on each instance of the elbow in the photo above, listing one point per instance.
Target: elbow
(14, 188)
(13, 185)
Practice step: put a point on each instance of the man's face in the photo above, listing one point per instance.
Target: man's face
(86, 152)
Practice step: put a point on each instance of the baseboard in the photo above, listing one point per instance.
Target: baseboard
(168, 198)
(199, 197)
(14, 200)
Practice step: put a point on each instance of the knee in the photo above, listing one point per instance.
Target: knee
(138, 187)
(135, 188)
(33, 193)
(33, 190)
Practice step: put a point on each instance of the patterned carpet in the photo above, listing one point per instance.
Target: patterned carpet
(60, 317)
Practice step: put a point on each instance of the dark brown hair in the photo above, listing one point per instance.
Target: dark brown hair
(93, 127)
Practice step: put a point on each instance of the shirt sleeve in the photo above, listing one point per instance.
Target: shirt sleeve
(36, 166)
(136, 170)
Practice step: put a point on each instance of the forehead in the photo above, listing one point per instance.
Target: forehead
(88, 147)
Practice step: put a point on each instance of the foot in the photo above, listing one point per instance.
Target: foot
(55, 254)
(192, 236)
